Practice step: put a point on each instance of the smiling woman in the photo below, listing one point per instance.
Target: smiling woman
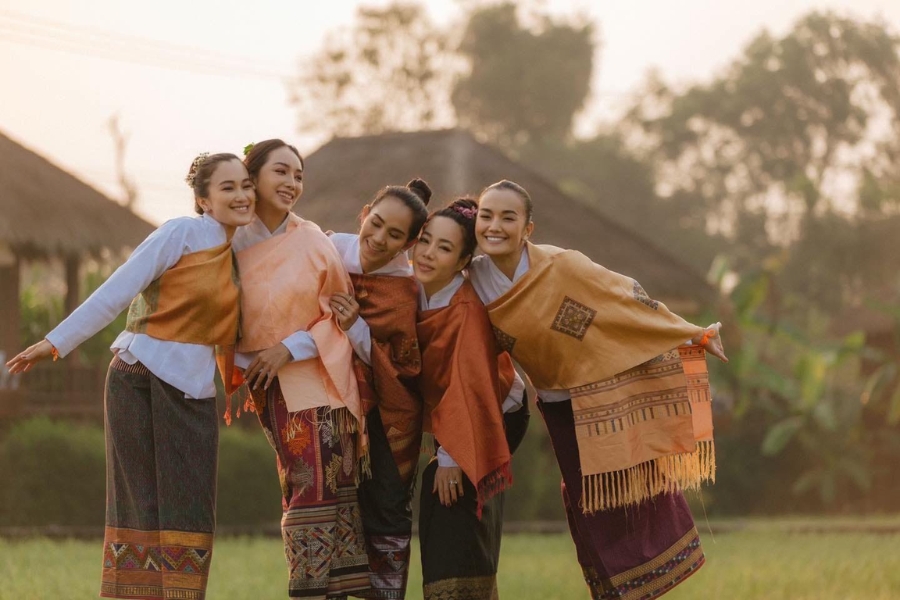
(473, 409)
(380, 320)
(631, 427)
(298, 363)
(161, 424)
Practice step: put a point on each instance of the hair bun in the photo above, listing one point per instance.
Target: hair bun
(420, 189)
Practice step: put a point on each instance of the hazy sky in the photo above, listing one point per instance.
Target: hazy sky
(57, 96)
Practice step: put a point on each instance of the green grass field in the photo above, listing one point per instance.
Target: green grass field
(760, 562)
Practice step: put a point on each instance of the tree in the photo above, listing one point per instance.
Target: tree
(523, 85)
(604, 174)
(773, 146)
(126, 182)
(390, 72)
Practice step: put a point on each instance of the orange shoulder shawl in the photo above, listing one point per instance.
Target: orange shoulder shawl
(462, 390)
(641, 400)
(195, 301)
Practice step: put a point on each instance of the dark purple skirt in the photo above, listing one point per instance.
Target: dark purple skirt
(632, 553)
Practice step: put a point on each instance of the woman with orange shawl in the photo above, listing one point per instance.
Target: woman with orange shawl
(380, 320)
(161, 427)
(463, 384)
(298, 363)
(625, 401)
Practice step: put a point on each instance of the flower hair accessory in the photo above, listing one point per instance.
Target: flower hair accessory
(194, 167)
(248, 148)
(468, 213)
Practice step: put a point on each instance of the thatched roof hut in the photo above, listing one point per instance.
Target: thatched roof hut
(48, 212)
(345, 173)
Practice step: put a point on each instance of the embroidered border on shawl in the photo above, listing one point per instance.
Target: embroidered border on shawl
(643, 297)
(504, 340)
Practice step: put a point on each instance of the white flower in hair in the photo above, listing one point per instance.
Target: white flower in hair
(195, 166)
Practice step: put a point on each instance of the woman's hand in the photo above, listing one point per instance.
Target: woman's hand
(448, 485)
(25, 360)
(713, 341)
(346, 308)
(266, 365)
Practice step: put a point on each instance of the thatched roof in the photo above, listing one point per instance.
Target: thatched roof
(47, 211)
(345, 173)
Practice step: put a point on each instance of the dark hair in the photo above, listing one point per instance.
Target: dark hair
(259, 152)
(514, 187)
(415, 196)
(201, 172)
(462, 211)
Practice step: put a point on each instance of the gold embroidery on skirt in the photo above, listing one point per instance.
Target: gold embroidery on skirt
(463, 588)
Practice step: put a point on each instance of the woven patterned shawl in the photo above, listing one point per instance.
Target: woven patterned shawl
(389, 305)
(641, 400)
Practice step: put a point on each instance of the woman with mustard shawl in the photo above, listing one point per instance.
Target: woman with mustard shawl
(471, 411)
(380, 320)
(160, 420)
(623, 388)
(298, 363)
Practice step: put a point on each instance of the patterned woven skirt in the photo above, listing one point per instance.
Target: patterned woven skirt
(161, 458)
(460, 552)
(634, 553)
(321, 526)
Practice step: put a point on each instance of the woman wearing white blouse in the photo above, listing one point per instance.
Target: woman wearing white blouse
(161, 424)
(466, 384)
(632, 528)
(380, 320)
(298, 363)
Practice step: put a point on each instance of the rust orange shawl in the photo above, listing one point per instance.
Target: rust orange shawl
(641, 402)
(286, 288)
(389, 306)
(463, 390)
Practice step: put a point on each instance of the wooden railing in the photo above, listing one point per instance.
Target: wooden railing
(55, 391)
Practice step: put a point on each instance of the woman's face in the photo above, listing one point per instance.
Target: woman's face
(436, 256)
(501, 226)
(280, 181)
(384, 233)
(231, 196)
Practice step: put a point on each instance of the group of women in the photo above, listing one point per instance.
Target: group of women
(357, 350)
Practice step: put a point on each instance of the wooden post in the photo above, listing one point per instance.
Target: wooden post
(11, 401)
(10, 312)
(73, 262)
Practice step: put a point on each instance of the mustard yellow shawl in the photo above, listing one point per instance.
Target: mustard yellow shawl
(640, 397)
(194, 302)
